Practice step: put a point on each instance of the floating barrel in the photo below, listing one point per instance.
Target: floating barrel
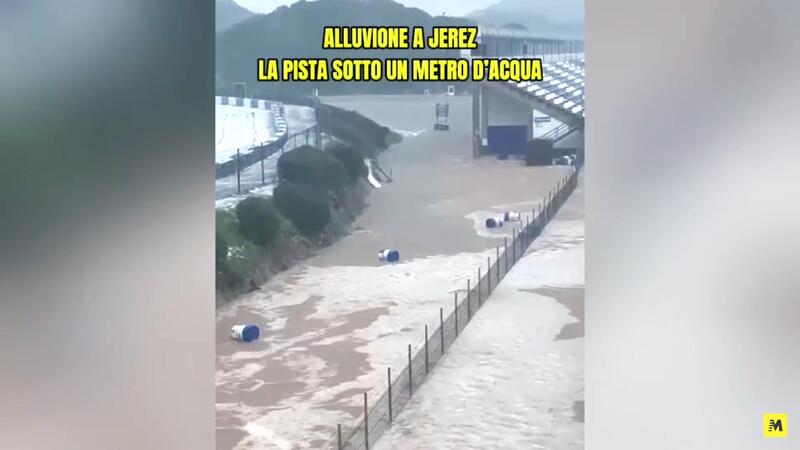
(389, 255)
(511, 216)
(494, 222)
(245, 333)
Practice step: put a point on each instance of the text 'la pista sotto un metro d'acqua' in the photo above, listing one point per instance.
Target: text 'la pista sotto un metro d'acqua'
(400, 69)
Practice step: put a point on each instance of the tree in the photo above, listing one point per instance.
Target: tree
(351, 158)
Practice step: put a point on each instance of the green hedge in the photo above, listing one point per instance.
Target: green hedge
(258, 220)
(351, 158)
(309, 165)
(308, 207)
(352, 127)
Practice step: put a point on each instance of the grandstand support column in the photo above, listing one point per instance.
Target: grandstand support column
(476, 119)
(484, 111)
(530, 123)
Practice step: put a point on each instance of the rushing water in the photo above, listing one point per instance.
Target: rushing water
(514, 378)
(332, 324)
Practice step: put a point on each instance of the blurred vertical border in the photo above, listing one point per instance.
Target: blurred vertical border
(106, 198)
(693, 250)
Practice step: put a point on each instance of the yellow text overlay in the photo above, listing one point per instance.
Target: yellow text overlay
(394, 69)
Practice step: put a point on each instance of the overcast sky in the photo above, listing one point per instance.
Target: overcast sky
(434, 8)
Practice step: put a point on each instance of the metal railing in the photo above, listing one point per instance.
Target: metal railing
(557, 132)
(382, 405)
(258, 167)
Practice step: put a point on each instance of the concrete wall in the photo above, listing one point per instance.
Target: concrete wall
(574, 140)
(505, 110)
(542, 128)
(499, 106)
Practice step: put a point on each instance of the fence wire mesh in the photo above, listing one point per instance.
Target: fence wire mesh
(385, 402)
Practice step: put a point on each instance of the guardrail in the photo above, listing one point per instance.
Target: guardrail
(241, 164)
(383, 403)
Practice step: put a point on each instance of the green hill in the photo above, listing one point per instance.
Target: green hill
(557, 19)
(227, 13)
(296, 32)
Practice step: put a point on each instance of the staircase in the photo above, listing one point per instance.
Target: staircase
(558, 132)
(387, 178)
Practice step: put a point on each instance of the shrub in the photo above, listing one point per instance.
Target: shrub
(348, 132)
(308, 165)
(258, 220)
(351, 158)
(308, 207)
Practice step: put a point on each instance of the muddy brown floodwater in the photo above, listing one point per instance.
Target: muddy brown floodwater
(332, 324)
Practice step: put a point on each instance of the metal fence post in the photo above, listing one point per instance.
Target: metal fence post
(497, 261)
(545, 215)
(505, 254)
(513, 245)
(529, 239)
(426, 350)
(523, 236)
(410, 378)
(389, 377)
(366, 425)
(469, 302)
(339, 434)
(455, 309)
(238, 173)
(479, 287)
(441, 327)
(488, 276)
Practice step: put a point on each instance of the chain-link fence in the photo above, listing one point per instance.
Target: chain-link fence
(383, 404)
(258, 167)
(255, 166)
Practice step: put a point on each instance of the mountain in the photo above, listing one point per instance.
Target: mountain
(296, 32)
(229, 13)
(562, 19)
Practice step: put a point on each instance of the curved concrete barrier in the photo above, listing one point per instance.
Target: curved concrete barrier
(253, 154)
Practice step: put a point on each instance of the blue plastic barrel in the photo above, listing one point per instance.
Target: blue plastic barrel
(389, 255)
(494, 222)
(245, 333)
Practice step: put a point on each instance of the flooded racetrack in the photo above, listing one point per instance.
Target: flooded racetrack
(514, 378)
(332, 324)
